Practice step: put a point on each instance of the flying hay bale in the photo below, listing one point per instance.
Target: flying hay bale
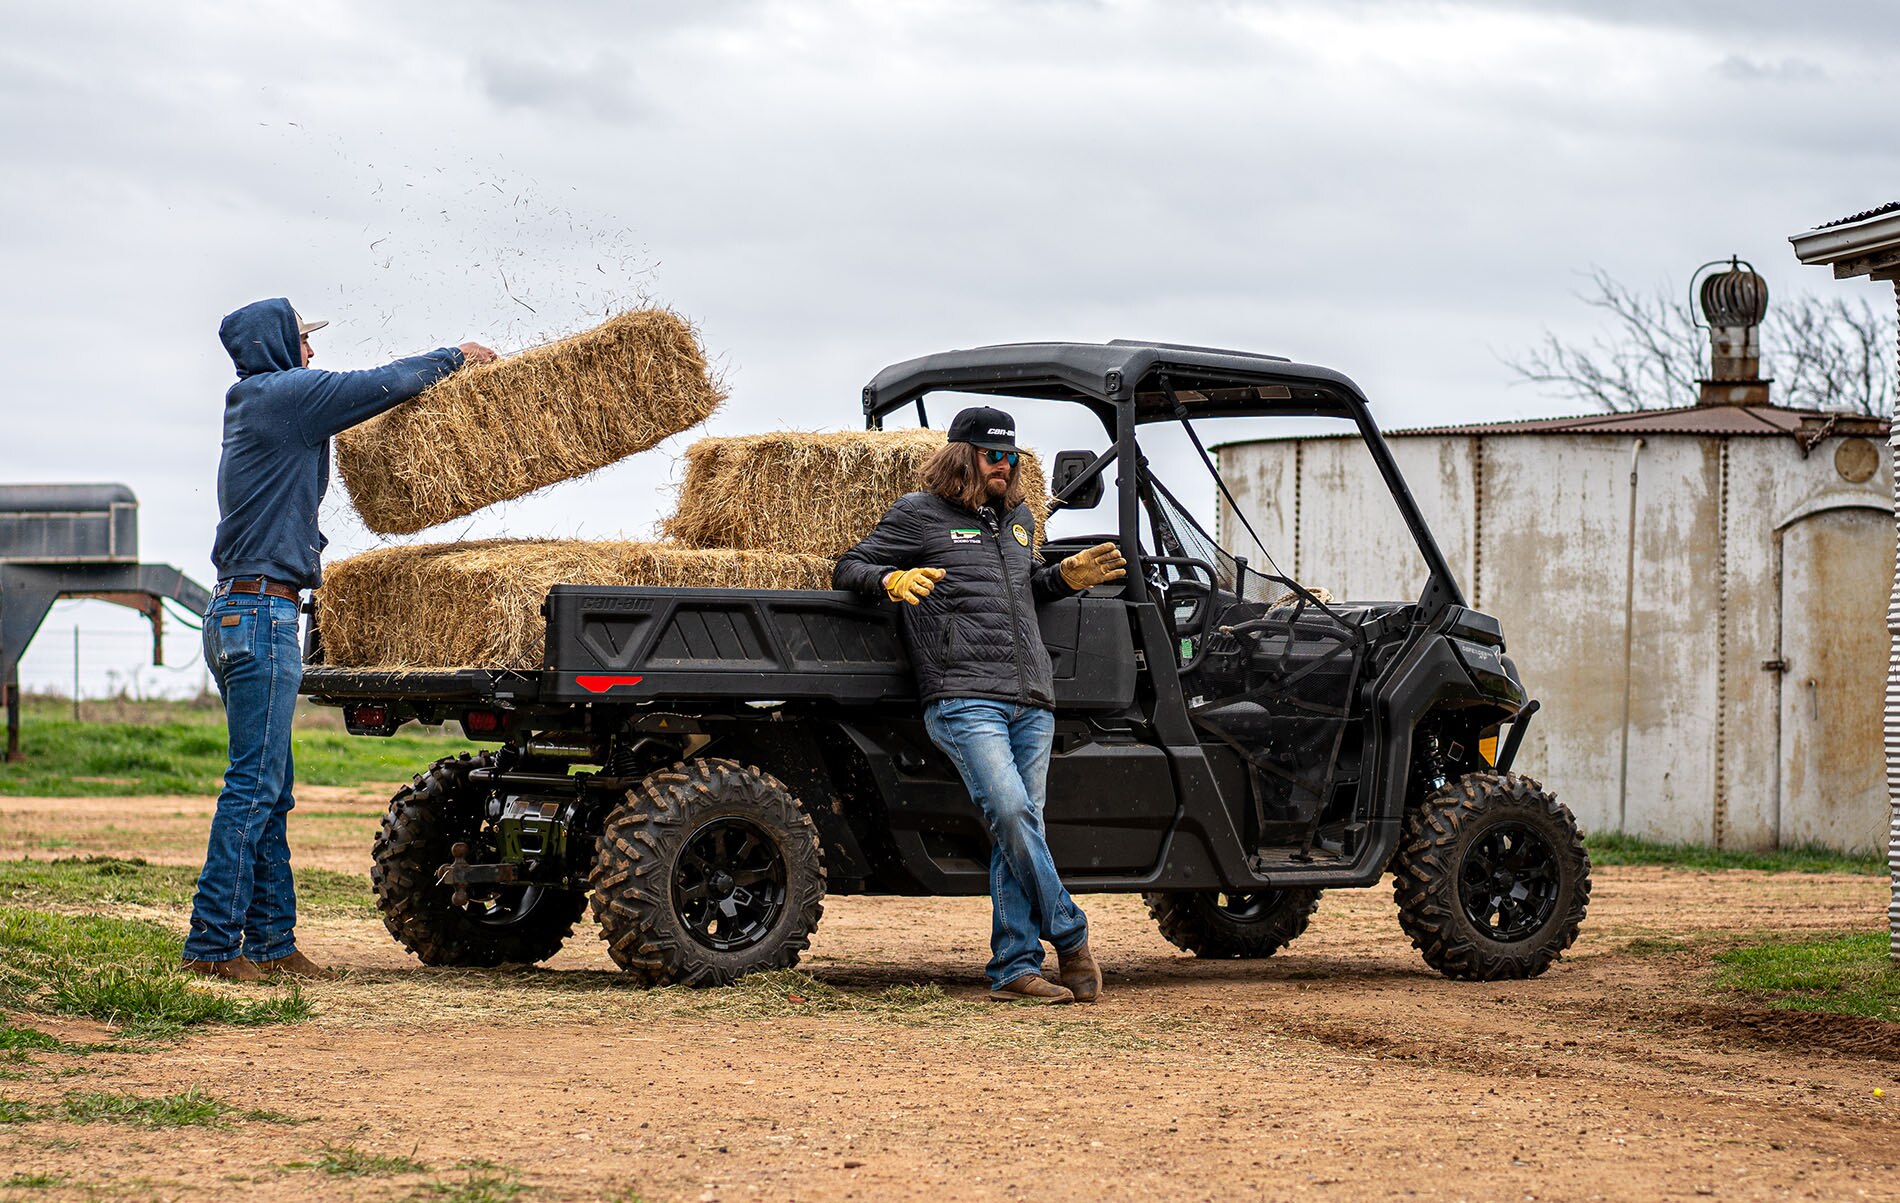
(813, 494)
(478, 604)
(498, 431)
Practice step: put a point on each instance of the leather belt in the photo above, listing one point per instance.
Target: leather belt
(258, 584)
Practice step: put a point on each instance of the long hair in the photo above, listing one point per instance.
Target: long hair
(955, 473)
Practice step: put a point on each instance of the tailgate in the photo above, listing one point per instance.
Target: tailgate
(626, 642)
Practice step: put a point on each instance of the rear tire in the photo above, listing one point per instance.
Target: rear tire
(1216, 925)
(710, 870)
(1492, 878)
(426, 818)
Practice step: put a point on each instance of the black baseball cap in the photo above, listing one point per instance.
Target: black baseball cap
(984, 427)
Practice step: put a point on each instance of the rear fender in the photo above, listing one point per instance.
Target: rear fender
(796, 754)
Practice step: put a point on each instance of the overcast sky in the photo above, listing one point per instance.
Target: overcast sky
(1404, 191)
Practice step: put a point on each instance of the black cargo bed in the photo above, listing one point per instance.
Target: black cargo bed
(630, 643)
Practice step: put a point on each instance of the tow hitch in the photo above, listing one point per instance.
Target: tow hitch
(462, 875)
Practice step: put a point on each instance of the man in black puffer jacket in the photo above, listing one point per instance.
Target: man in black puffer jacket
(961, 553)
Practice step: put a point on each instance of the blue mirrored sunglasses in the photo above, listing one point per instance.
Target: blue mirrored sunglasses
(997, 457)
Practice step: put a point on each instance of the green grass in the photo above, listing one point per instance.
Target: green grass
(188, 1109)
(184, 752)
(1847, 975)
(95, 881)
(478, 1188)
(32, 1181)
(119, 971)
(1610, 848)
(20, 1039)
(343, 1161)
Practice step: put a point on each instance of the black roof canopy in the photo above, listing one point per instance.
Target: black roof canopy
(1209, 382)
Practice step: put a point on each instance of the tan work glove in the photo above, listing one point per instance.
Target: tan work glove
(911, 584)
(1098, 565)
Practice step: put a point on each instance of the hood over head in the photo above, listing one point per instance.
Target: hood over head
(263, 337)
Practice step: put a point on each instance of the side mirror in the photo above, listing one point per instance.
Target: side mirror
(1069, 467)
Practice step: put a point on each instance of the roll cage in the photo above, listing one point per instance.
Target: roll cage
(1127, 385)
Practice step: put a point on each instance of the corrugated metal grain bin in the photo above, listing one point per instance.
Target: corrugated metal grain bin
(1697, 596)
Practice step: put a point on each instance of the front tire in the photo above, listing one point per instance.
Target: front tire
(710, 870)
(1492, 878)
(520, 924)
(1211, 924)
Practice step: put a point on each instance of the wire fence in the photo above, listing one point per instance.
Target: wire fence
(89, 650)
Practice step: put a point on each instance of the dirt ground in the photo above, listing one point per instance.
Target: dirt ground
(1340, 1069)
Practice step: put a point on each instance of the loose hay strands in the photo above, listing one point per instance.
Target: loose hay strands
(814, 494)
(498, 431)
(466, 605)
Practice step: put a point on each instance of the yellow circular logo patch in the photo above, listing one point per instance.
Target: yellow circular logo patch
(1022, 536)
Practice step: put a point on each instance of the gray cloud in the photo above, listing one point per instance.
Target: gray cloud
(602, 86)
(1787, 70)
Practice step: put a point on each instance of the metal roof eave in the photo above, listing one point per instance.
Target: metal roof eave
(1831, 244)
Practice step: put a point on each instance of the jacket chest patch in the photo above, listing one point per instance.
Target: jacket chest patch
(1022, 536)
(965, 534)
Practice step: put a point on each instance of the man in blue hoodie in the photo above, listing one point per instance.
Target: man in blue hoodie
(278, 421)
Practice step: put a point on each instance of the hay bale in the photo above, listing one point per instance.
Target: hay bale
(498, 431)
(478, 604)
(812, 494)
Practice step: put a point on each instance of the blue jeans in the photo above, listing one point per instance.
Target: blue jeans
(246, 904)
(1002, 752)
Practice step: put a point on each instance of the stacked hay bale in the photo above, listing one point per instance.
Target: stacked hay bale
(478, 604)
(813, 494)
(502, 430)
(770, 511)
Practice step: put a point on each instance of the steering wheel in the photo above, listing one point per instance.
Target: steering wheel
(1188, 606)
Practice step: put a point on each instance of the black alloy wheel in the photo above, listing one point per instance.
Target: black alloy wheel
(710, 870)
(1246, 908)
(500, 924)
(1508, 883)
(729, 884)
(1218, 926)
(1491, 878)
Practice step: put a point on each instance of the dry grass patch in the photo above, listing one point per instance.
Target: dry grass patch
(813, 494)
(462, 605)
(502, 430)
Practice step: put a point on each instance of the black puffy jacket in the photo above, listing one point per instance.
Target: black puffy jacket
(976, 635)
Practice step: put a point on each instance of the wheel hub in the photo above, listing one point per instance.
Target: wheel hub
(1509, 883)
(729, 884)
(1247, 908)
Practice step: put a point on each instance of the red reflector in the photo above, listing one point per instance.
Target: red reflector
(482, 720)
(594, 684)
(369, 716)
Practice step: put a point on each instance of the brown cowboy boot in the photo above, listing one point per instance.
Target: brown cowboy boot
(1031, 987)
(237, 969)
(298, 965)
(1078, 971)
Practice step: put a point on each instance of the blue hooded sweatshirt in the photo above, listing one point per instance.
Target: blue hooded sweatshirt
(278, 420)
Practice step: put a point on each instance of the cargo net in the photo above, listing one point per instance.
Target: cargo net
(1180, 535)
(1275, 680)
(1276, 685)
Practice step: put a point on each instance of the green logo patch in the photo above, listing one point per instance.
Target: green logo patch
(965, 534)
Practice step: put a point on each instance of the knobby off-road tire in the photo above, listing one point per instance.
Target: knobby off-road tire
(1216, 925)
(426, 818)
(710, 870)
(1492, 878)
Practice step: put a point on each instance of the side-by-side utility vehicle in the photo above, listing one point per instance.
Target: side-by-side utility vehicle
(707, 765)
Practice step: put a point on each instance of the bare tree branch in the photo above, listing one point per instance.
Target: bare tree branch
(1822, 354)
